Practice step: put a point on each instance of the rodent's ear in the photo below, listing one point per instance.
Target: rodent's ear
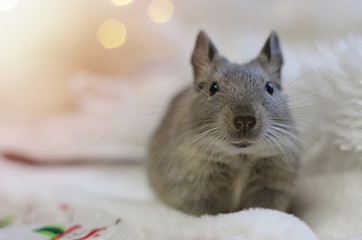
(270, 57)
(203, 55)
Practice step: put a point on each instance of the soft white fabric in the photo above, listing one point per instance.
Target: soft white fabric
(42, 201)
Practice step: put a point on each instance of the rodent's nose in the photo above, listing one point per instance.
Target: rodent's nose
(244, 122)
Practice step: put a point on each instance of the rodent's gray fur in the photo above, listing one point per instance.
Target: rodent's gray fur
(192, 162)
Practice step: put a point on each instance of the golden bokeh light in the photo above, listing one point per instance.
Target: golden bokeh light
(6, 5)
(112, 34)
(121, 2)
(160, 11)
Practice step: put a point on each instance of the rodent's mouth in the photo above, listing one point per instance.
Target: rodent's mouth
(242, 144)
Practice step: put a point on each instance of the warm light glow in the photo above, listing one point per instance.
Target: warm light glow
(121, 2)
(6, 5)
(160, 11)
(112, 33)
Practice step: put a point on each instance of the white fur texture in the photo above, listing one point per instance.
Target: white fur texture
(148, 219)
(328, 196)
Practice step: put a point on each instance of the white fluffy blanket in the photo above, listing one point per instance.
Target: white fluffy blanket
(120, 219)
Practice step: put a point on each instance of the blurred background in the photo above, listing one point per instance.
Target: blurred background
(88, 78)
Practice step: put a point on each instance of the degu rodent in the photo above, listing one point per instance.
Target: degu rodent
(228, 141)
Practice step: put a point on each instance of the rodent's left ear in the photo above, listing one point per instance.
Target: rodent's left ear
(203, 55)
(270, 57)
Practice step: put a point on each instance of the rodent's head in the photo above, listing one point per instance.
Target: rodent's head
(240, 107)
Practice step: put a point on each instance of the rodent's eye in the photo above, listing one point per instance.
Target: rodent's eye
(213, 88)
(269, 88)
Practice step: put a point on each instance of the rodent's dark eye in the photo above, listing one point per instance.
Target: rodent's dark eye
(269, 88)
(213, 88)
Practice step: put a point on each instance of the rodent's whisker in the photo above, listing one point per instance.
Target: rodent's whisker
(292, 147)
(295, 129)
(196, 87)
(282, 128)
(272, 138)
(286, 142)
(308, 73)
(209, 104)
(262, 142)
(195, 140)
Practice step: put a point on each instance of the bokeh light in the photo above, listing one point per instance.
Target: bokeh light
(160, 11)
(121, 2)
(112, 33)
(6, 5)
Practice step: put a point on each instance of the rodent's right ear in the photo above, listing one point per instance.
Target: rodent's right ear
(271, 57)
(203, 55)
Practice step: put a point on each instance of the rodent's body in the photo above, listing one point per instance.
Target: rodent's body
(212, 154)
